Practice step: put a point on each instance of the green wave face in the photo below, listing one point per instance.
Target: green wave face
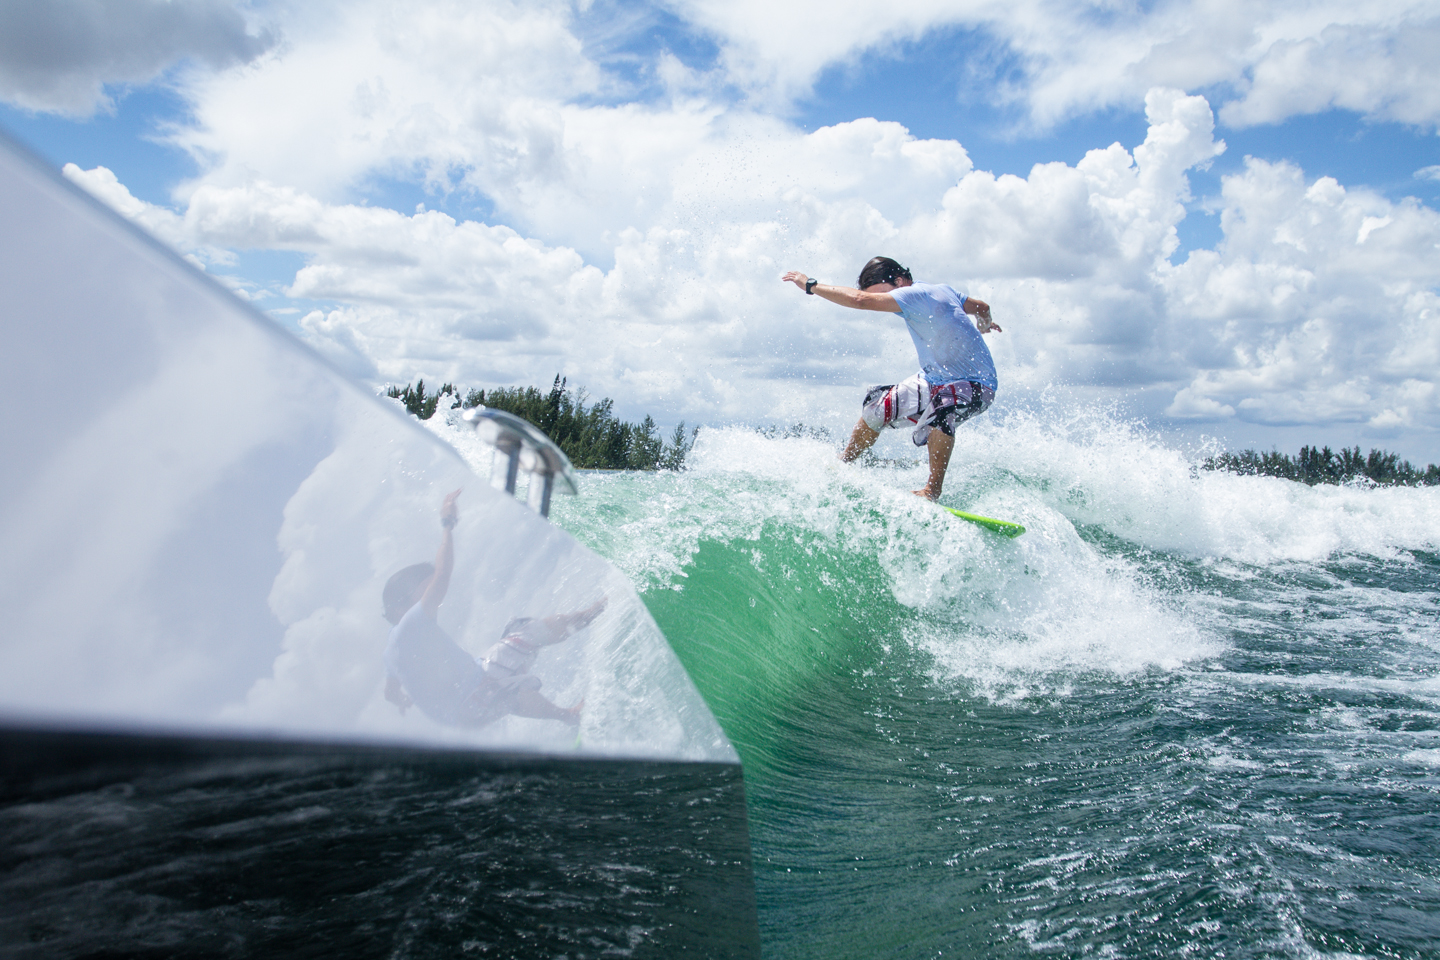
(789, 585)
(778, 637)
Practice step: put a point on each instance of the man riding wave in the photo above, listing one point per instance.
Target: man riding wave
(957, 374)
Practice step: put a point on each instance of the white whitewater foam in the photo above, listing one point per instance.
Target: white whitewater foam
(1113, 474)
(1012, 619)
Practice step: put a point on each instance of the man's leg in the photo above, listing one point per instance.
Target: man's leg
(861, 440)
(940, 445)
(529, 703)
(559, 626)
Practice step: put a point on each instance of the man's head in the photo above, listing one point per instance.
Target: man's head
(883, 271)
(405, 589)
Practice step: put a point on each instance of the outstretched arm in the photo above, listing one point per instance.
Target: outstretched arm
(846, 296)
(981, 310)
(444, 557)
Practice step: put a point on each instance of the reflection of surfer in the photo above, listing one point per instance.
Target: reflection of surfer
(429, 670)
(957, 377)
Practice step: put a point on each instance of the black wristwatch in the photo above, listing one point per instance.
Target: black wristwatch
(810, 286)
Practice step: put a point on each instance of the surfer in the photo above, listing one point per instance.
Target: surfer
(957, 376)
(427, 669)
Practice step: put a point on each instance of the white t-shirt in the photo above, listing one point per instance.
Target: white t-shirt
(949, 345)
(439, 676)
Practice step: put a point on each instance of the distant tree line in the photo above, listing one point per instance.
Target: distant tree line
(1323, 465)
(591, 436)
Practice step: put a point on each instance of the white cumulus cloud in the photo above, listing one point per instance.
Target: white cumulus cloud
(1324, 300)
(59, 55)
(1318, 306)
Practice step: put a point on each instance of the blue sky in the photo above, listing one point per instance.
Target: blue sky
(658, 162)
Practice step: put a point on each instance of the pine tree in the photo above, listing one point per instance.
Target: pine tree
(1322, 465)
(591, 436)
(417, 403)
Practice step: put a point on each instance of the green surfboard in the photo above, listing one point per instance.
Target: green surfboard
(990, 523)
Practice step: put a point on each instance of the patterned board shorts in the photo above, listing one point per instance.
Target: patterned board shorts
(915, 401)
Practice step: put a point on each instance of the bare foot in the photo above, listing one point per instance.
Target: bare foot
(925, 492)
(572, 716)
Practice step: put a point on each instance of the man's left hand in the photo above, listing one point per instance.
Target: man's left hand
(981, 310)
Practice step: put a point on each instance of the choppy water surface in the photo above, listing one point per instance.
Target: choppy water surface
(147, 845)
(1186, 714)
